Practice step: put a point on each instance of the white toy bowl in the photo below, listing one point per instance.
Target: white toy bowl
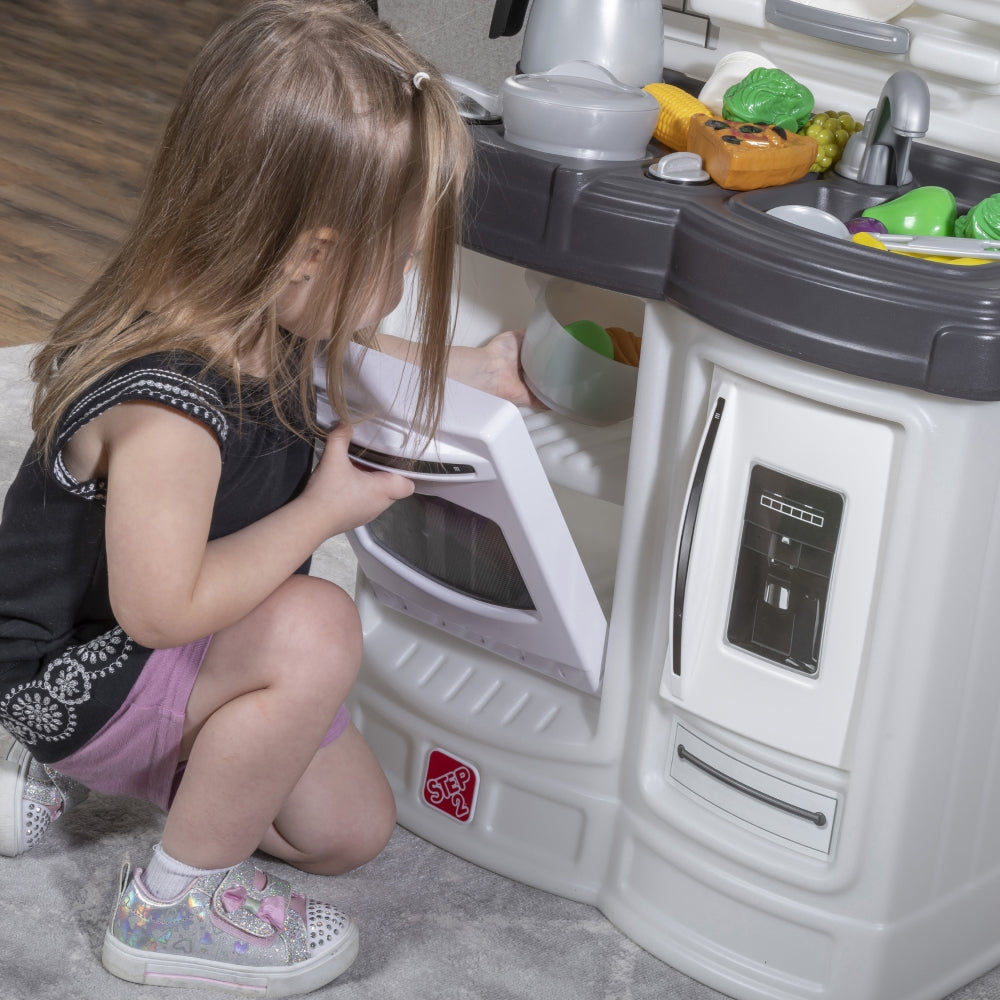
(568, 376)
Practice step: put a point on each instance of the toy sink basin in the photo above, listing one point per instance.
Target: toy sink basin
(843, 199)
(970, 181)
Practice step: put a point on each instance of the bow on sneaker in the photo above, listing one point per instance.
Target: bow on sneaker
(241, 930)
(32, 795)
(270, 909)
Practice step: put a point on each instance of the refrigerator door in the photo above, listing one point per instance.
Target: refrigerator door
(776, 567)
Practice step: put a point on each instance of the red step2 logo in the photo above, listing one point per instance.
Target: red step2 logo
(451, 785)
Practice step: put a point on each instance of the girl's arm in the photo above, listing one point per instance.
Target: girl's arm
(495, 367)
(168, 584)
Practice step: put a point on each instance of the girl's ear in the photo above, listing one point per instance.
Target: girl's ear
(314, 246)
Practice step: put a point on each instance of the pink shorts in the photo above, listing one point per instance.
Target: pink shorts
(135, 753)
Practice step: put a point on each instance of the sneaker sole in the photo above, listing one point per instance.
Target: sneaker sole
(13, 774)
(157, 969)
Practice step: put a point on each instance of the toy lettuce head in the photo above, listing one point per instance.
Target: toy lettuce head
(769, 96)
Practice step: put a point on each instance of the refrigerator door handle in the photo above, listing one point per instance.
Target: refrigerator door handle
(687, 530)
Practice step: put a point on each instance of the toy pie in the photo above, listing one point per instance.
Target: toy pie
(742, 156)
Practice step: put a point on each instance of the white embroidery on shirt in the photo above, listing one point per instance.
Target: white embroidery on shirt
(44, 710)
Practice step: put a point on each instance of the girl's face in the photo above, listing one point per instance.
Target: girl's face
(293, 299)
(385, 300)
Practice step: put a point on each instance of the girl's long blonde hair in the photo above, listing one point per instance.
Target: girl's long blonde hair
(298, 117)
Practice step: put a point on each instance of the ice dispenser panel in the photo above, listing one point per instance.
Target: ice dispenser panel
(786, 553)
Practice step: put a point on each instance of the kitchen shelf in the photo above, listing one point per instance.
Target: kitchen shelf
(587, 459)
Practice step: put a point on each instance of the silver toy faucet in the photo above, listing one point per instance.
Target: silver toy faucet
(882, 150)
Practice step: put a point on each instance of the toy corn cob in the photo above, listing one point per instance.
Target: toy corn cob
(676, 108)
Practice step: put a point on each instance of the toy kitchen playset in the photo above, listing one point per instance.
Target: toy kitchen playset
(712, 642)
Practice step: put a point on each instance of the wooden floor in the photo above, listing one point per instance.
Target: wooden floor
(85, 90)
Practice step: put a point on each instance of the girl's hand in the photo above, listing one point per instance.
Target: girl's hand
(495, 368)
(350, 494)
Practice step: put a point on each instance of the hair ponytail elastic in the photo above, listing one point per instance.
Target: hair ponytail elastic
(418, 79)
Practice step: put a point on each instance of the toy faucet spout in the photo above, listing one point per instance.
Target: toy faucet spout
(900, 116)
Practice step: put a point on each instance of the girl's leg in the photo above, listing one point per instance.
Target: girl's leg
(339, 815)
(264, 698)
(266, 694)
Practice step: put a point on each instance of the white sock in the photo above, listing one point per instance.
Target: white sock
(166, 877)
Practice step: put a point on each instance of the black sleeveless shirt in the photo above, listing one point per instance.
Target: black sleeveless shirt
(65, 664)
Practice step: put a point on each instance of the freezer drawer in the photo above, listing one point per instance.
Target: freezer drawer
(775, 806)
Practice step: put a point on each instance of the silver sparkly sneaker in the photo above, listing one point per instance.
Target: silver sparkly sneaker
(32, 795)
(240, 930)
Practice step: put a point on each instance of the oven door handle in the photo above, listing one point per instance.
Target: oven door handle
(455, 468)
(687, 529)
(417, 469)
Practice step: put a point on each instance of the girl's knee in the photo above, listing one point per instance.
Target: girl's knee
(302, 646)
(362, 809)
(311, 606)
(379, 829)
(379, 823)
(365, 843)
(311, 623)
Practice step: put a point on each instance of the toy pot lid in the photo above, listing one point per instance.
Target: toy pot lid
(580, 85)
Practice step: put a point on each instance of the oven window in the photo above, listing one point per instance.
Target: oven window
(455, 546)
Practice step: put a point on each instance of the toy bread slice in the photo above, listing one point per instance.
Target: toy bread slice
(741, 156)
(626, 344)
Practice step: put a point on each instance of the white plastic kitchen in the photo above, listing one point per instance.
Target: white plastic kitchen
(713, 645)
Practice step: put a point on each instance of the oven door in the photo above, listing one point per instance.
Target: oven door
(481, 549)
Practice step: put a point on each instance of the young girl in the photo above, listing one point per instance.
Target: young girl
(158, 634)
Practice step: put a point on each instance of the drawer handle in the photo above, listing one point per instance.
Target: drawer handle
(813, 817)
(833, 27)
